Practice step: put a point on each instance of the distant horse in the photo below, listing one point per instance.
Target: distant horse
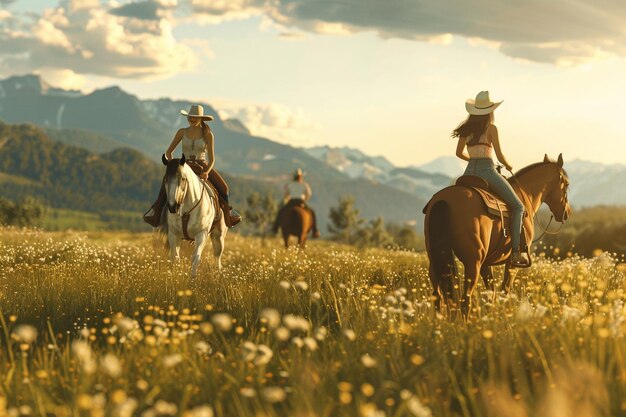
(192, 213)
(296, 221)
(457, 223)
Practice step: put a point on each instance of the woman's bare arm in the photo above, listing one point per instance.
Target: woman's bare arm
(492, 134)
(177, 138)
(460, 150)
(209, 140)
(308, 193)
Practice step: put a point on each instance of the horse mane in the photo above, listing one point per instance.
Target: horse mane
(535, 165)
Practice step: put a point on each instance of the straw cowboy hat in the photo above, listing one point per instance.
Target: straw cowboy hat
(482, 105)
(298, 172)
(196, 110)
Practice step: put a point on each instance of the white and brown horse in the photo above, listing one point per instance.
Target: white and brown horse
(192, 213)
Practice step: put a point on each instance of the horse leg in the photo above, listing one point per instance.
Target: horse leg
(507, 279)
(434, 280)
(302, 241)
(487, 275)
(286, 239)
(174, 244)
(218, 236)
(472, 270)
(200, 241)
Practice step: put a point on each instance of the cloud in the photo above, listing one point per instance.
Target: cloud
(272, 120)
(87, 38)
(146, 10)
(562, 32)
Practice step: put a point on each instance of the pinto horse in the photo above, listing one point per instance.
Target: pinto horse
(296, 221)
(192, 213)
(457, 223)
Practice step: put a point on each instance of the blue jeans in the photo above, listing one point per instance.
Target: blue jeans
(486, 169)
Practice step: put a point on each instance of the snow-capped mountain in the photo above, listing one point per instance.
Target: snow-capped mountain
(357, 164)
(593, 183)
(450, 166)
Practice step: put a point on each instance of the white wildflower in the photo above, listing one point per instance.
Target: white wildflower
(271, 317)
(203, 348)
(296, 323)
(282, 334)
(223, 321)
(170, 361)
(264, 355)
(111, 365)
(368, 361)
(349, 334)
(274, 394)
(200, 411)
(310, 343)
(25, 333)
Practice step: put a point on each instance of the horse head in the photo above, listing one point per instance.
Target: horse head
(176, 182)
(556, 190)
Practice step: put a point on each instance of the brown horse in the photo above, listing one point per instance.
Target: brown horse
(296, 221)
(457, 223)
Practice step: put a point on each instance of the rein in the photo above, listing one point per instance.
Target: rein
(185, 217)
(535, 218)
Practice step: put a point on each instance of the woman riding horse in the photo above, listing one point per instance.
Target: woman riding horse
(480, 136)
(198, 149)
(297, 192)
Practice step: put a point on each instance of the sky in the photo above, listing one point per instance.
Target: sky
(388, 77)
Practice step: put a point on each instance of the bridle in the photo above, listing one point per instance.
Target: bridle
(535, 218)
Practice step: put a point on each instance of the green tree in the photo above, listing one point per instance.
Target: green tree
(345, 220)
(260, 213)
(27, 212)
(405, 236)
(374, 234)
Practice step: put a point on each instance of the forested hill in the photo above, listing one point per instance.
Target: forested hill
(70, 177)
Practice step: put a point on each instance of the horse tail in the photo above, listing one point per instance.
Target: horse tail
(160, 235)
(439, 242)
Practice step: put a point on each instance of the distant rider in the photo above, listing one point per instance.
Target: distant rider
(297, 193)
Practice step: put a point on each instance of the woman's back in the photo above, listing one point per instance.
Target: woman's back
(482, 148)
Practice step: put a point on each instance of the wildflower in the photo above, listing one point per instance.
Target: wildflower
(248, 351)
(285, 285)
(349, 334)
(570, 313)
(301, 285)
(281, 334)
(321, 333)
(222, 321)
(368, 361)
(203, 348)
(418, 409)
(264, 355)
(84, 354)
(126, 408)
(271, 317)
(170, 361)
(248, 392)
(24, 333)
(111, 366)
(310, 343)
(296, 323)
(200, 411)
(274, 394)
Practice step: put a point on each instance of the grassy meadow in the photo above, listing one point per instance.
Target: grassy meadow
(100, 324)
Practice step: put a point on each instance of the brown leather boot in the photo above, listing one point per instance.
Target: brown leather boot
(235, 217)
(154, 214)
(519, 261)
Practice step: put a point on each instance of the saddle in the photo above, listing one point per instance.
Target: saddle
(495, 206)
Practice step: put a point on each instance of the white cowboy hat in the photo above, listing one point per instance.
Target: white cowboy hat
(196, 110)
(482, 105)
(298, 172)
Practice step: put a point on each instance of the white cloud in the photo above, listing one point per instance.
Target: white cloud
(83, 36)
(578, 31)
(272, 120)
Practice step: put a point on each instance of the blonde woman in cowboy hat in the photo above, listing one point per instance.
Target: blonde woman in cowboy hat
(198, 148)
(480, 136)
(297, 192)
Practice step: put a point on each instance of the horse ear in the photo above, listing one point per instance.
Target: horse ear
(164, 159)
(182, 160)
(545, 158)
(560, 160)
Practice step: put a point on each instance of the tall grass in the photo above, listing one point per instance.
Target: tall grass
(329, 332)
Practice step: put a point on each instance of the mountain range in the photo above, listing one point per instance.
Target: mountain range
(107, 120)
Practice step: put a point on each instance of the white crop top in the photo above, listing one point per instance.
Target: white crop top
(482, 149)
(195, 148)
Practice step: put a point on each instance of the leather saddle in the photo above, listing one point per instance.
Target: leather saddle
(495, 205)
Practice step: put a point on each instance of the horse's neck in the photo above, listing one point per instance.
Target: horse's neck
(194, 191)
(534, 190)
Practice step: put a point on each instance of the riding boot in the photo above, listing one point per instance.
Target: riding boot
(154, 215)
(231, 217)
(518, 260)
